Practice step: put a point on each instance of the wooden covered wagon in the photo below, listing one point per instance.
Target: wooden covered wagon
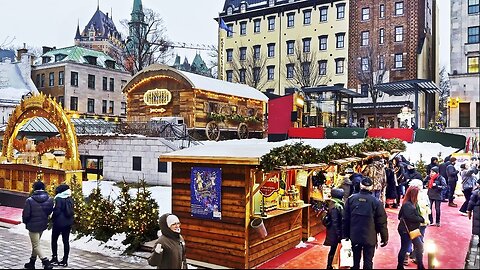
(208, 107)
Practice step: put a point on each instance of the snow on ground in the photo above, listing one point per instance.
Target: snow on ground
(428, 150)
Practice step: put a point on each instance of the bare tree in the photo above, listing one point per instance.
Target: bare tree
(444, 90)
(213, 54)
(371, 67)
(303, 68)
(147, 42)
(250, 67)
(6, 42)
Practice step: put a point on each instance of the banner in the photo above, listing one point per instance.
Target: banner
(206, 191)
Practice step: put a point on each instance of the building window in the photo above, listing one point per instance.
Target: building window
(322, 67)
(229, 75)
(474, 34)
(51, 79)
(473, 6)
(290, 19)
(243, 53)
(399, 8)
(290, 71)
(105, 84)
(61, 101)
(472, 64)
(464, 114)
(229, 55)
(340, 40)
(243, 28)
(306, 69)
(365, 14)
(61, 78)
(365, 66)
(112, 84)
(243, 8)
(271, 23)
(104, 106)
(74, 78)
(91, 105)
(271, 73)
(110, 108)
(74, 103)
(271, 3)
(230, 30)
(256, 52)
(137, 163)
(229, 10)
(381, 36)
(322, 42)
(365, 38)
(340, 11)
(323, 14)
(256, 26)
(162, 167)
(399, 33)
(42, 80)
(339, 64)
(306, 45)
(124, 108)
(271, 50)
(398, 60)
(382, 11)
(291, 47)
(381, 62)
(37, 81)
(307, 17)
(91, 81)
(242, 73)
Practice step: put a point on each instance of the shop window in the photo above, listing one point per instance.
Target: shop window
(464, 114)
(137, 163)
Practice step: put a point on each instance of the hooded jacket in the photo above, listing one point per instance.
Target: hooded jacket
(173, 254)
(63, 211)
(376, 172)
(36, 211)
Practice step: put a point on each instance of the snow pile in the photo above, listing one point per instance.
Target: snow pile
(427, 150)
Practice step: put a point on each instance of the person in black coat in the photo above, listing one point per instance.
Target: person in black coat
(334, 223)
(391, 189)
(435, 184)
(410, 219)
(474, 205)
(433, 163)
(35, 216)
(62, 223)
(442, 169)
(411, 174)
(356, 178)
(364, 218)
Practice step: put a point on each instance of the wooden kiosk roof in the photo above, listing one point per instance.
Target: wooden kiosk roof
(196, 81)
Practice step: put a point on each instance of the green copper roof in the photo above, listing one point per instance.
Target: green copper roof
(75, 54)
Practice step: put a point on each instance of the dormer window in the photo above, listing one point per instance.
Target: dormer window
(243, 8)
(229, 10)
(46, 59)
(92, 60)
(110, 64)
(271, 3)
(59, 57)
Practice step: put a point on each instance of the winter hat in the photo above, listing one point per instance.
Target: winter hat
(416, 183)
(435, 169)
(366, 184)
(463, 166)
(337, 193)
(172, 219)
(61, 188)
(38, 185)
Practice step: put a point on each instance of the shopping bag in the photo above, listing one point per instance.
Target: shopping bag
(336, 257)
(346, 254)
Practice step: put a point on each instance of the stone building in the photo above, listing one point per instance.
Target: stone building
(463, 115)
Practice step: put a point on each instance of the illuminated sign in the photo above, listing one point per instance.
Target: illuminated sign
(157, 97)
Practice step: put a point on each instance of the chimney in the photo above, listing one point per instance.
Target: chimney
(46, 49)
(20, 52)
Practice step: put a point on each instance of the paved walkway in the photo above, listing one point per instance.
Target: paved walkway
(15, 251)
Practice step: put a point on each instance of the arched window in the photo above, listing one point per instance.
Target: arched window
(243, 8)
(229, 10)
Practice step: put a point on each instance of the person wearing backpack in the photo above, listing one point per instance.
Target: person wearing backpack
(62, 218)
(468, 183)
(333, 223)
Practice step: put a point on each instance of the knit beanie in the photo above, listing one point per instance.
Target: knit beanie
(38, 185)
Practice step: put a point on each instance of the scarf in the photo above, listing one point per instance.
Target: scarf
(432, 180)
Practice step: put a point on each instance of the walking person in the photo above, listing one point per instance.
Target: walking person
(399, 179)
(391, 187)
(443, 172)
(62, 223)
(433, 163)
(334, 223)
(410, 219)
(169, 251)
(35, 216)
(376, 171)
(435, 184)
(364, 218)
(469, 182)
(474, 205)
(452, 174)
(423, 206)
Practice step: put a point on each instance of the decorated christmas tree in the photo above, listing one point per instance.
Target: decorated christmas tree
(79, 221)
(420, 167)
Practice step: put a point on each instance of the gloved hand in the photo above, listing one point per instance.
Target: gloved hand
(383, 244)
(469, 214)
(158, 248)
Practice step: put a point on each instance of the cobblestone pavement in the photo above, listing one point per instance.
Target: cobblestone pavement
(473, 257)
(15, 251)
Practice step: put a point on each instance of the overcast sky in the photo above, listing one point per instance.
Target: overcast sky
(54, 22)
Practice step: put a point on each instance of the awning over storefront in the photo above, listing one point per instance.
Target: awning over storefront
(382, 105)
(332, 89)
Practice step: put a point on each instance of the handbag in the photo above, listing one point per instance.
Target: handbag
(414, 233)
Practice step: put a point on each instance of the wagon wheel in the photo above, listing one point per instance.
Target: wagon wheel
(242, 131)
(212, 131)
